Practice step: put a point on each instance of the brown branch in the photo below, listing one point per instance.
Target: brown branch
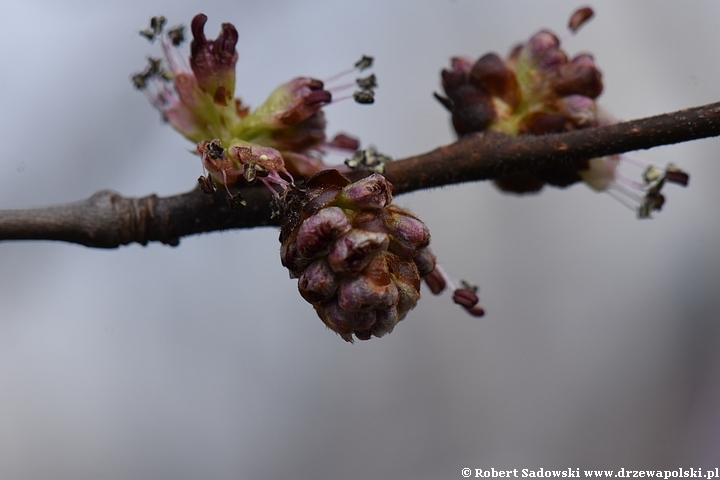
(108, 220)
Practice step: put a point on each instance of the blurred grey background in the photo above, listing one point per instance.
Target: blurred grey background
(600, 344)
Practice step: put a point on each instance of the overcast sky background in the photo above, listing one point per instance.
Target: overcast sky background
(600, 344)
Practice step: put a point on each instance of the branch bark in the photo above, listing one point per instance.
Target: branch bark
(108, 220)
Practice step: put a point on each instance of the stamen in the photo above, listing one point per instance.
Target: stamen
(177, 35)
(364, 97)
(340, 88)
(156, 26)
(207, 185)
(367, 83)
(339, 75)
(370, 159)
(364, 63)
(623, 201)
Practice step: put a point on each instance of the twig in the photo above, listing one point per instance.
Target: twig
(108, 220)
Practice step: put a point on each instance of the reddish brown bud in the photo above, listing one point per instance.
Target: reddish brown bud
(353, 251)
(543, 50)
(425, 261)
(385, 322)
(372, 290)
(318, 231)
(407, 233)
(373, 191)
(336, 238)
(345, 323)
(318, 282)
(493, 74)
(472, 110)
(579, 78)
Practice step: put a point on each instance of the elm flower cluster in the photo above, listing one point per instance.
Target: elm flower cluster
(358, 259)
(538, 89)
(284, 136)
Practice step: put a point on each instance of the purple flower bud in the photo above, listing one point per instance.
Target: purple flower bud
(213, 61)
(353, 251)
(358, 287)
(317, 232)
(306, 97)
(583, 59)
(403, 270)
(292, 260)
(336, 319)
(461, 64)
(407, 298)
(425, 261)
(373, 191)
(581, 110)
(345, 323)
(494, 75)
(543, 51)
(385, 322)
(317, 283)
(288, 104)
(370, 220)
(372, 290)
(407, 279)
(407, 234)
(308, 134)
(472, 109)
(581, 78)
(452, 80)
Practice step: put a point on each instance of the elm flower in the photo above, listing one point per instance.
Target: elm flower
(539, 89)
(358, 259)
(197, 97)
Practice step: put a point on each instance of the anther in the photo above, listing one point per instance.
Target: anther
(176, 35)
(364, 97)
(156, 26)
(364, 63)
(139, 81)
(207, 185)
(368, 82)
(236, 201)
(249, 172)
(215, 150)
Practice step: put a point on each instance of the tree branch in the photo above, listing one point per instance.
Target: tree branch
(108, 220)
